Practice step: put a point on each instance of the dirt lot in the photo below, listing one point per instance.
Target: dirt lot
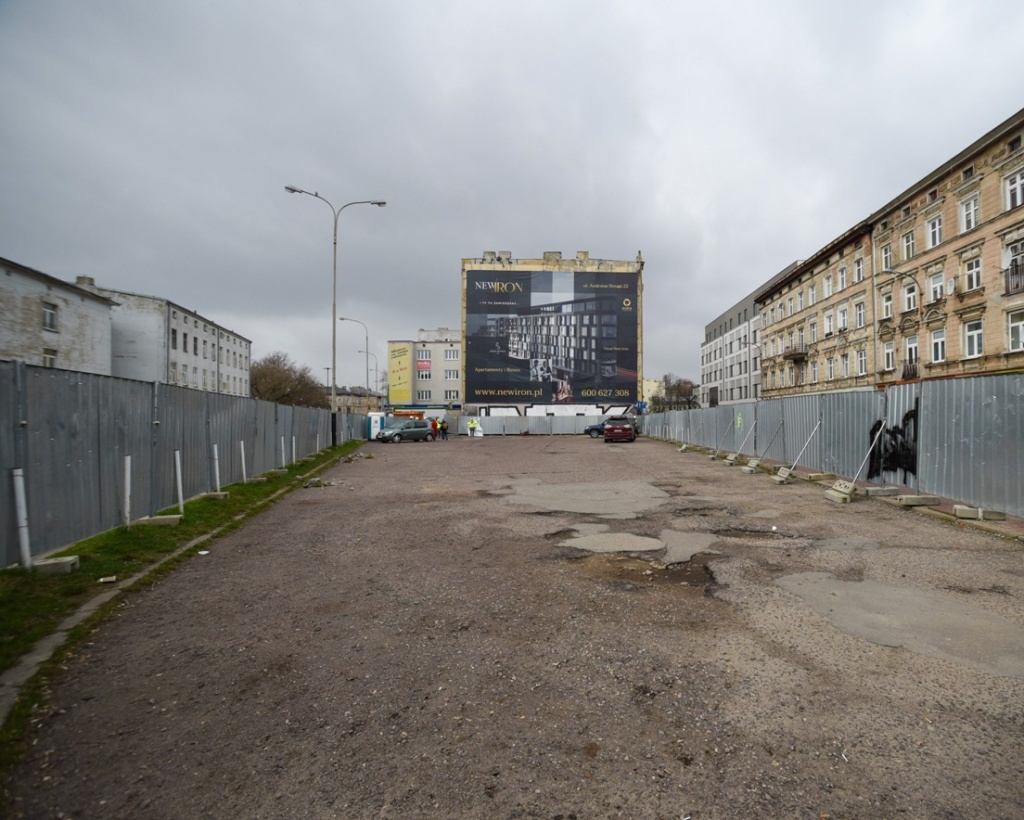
(415, 640)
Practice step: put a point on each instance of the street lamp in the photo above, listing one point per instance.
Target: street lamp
(380, 203)
(376, 371)
(367, 338)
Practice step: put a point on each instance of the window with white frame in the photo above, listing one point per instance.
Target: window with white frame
(771, 315)
(423, 375)
(859, 314)
(858, 270)
(812, 295)
(935, 287)
(828, 286)
(887, 306)
(800, 336)
(972, 274)
(938, 345)
(830, 368)
(886, 257)
(800, 301)
(789, 306)
(174, 372)
(422, 395)
(889, 356)
(423, 354)
(1015, 190)
(49, 357)
(49, 316)
(973, 342)
(829, 324)
(908, 245)
(1016, 327)
(911, 348)
(195, 377)
(451, 374)
(451, 395)
(862, 362)
(812, 330)
(843, 316)
(841, 278)
(969, 214)
(844, 366)
(910, 296)
(934, 231)
(451, 354)
(814, 372)
(1016, 252)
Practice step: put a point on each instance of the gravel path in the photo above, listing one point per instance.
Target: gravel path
(419, 639)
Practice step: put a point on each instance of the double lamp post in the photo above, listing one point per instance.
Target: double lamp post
(334, 290)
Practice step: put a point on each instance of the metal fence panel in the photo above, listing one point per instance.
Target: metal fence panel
(847, 421)
(894, 460)
(771, 432)
(801, 437)
(972, 441)
(12, 413)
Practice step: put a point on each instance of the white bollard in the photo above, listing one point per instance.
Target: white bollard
(127, 492)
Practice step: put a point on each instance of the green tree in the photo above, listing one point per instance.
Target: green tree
(675, 393)
(277, 378)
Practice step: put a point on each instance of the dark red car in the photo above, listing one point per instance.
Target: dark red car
(619, 428)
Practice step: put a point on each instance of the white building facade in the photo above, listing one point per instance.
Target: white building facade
(158, 341)
(50, 323)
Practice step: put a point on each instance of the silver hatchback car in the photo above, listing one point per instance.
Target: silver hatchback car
(406, 430)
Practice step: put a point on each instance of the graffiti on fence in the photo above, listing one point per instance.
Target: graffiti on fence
(896, 449)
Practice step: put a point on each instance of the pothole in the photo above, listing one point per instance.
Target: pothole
(632, 574)
(758, 535)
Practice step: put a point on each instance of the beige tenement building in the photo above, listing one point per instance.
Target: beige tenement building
(929, 286)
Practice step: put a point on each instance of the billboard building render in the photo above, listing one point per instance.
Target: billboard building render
(552, 335)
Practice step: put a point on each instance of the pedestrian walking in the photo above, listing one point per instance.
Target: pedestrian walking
(434, 427)
(472, 425)
(444, 429)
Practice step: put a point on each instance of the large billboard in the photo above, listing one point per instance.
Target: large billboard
(551, 336)
(400, 373)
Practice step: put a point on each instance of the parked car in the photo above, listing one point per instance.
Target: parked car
(597, 430)
(619, 428)
(406, 430)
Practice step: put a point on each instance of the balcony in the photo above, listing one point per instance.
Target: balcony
(1014, 276)
(795, 353)
(910, 371)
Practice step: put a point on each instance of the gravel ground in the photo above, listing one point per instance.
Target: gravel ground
(407, 642)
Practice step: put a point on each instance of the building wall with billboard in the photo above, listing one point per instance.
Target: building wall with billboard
(400, 373)
(552, 330)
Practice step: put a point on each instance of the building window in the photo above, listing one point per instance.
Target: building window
(828, 286)
(969, 214)
(889, 356)
(812, 331)
(830, 368)
(908, 245)
(935, 231)
(829, 324)
(49, 357)
(842, 278)
(972, 274)
(195, 345)
(812, 295)
(451, 374)
(195, 377)
(423, 395)
(451, 354)
(935, 287)
(862, 362)
(49, 317)
(844, 317)
(423, 354)
(1015, 190)
(423, 375)
(1016, 320)
(800, 301)
(814, 372)
(205, 349)
(910, 296)
(973, 342)
(789, 306)
(858, 270)
(204, 378)
(451, 395)
(938, 345)
(174, 338)
(184, 342)
(859, 314)
(844, 366)
(886, 257)
(887, 306)
(912, 348)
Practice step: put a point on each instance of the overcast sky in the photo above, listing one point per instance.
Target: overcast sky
(148, 144)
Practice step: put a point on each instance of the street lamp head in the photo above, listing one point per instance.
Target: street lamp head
(380, 203)
(292, 190)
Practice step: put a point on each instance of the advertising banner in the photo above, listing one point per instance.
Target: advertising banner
(399, 373)
(551, 337)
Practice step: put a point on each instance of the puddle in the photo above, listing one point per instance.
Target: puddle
(632, 574)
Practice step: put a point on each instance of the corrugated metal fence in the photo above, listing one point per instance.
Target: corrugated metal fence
(957, 438)
(69, 433)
